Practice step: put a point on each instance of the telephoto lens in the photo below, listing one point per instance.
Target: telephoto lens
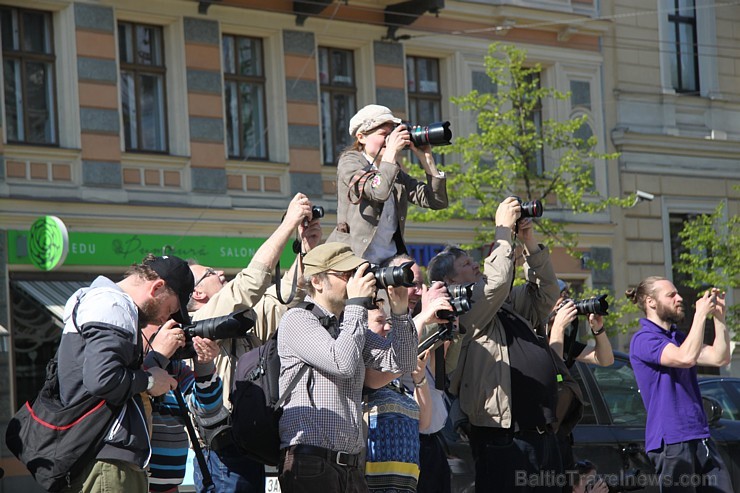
(394, 275)
(461, 300)
(597, 305)
(434, 134)
(229, 326)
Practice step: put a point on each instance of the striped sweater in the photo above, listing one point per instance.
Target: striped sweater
(169, 438)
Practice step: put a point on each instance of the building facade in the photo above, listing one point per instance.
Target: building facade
(186, 127)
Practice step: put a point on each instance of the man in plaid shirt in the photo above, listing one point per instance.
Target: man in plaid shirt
(321, 434)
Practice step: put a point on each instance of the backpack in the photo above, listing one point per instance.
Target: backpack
(56, 442)
(256, 401)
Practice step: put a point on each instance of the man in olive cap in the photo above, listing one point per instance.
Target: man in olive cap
(321, 420)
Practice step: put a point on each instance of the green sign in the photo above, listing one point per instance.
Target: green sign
(48, 243)
(122, 250)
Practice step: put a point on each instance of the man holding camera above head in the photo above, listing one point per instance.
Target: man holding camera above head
(100, 354)
(506, 379)
(373, 191)
(321, 433)
(563, 315)
(677, 438)
(213, 297)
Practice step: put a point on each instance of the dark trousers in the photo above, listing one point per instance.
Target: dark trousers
(521, 462)
(434, 470)
(231, 471)
(299, 473)
(691, 466)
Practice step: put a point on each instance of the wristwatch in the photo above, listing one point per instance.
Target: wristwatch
(149, 382)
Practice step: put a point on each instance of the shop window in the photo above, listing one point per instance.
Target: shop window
(244, 97)
(338, 100)
(29, 79)
(143, 86)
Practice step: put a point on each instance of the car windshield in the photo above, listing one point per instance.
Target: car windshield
(717, 391)
(619, 388)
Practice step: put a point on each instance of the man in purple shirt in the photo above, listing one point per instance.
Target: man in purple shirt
(664, 360)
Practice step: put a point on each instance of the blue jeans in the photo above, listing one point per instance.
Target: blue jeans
(232, 472)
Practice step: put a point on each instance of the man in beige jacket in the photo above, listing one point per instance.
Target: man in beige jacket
(506, 379)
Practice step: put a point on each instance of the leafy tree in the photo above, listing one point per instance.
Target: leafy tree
(501, 158)
(711, 255)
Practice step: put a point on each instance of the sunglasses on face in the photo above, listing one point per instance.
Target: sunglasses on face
(342, 275)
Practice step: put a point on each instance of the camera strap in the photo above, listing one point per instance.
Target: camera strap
(279, 277)
(207, 480)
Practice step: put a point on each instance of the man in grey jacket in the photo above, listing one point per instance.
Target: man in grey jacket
(101, 354)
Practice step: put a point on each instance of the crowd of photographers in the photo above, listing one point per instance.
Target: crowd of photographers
(372, 358)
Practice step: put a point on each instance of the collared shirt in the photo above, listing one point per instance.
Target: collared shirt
(671, 395)
(325, 408)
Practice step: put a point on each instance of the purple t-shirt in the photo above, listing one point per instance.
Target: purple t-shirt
(675, 412)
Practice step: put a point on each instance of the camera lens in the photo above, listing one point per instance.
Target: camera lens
(395, 275)
(595, 305)
(532, 209)
(317, 212)
(435, 134)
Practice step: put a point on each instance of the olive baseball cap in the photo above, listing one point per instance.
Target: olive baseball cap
(175, 272)
(331, 256)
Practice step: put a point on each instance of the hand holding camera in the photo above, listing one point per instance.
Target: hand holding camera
(564, 315)
(206, 350)
(168, 339)
(362, 283)
(299, 210)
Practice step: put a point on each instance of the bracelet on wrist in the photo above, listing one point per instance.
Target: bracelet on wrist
(421, 383)
(600, 331)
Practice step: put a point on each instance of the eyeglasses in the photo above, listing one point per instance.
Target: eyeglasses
(342, 275)
(209, 272)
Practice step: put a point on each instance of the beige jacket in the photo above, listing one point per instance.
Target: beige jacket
(482, 379)
(251, 288)
(357, 223)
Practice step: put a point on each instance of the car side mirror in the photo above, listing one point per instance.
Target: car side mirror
(713, 410)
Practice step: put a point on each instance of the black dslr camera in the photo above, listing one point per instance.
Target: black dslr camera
(393, 275)
(596, 305)
(236, 324)
(461, 300)
(532, 208)
(434, 134)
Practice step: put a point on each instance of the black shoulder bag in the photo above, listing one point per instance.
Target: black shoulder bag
(56, 442)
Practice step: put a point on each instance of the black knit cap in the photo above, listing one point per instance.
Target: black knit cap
(175, 272)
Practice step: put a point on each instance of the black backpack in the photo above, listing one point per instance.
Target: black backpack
(256, 401)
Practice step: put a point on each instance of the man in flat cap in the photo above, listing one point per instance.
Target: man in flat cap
(321, 434)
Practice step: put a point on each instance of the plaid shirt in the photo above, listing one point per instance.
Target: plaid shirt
(325, 408)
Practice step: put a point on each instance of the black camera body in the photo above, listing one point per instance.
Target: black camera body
(393, 275)
(434, 134)
(461, 299)
(596, 305)
(236, 324)
(533, 208)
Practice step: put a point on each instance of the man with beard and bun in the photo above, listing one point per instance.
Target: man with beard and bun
(664, 360)
(100, 354)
